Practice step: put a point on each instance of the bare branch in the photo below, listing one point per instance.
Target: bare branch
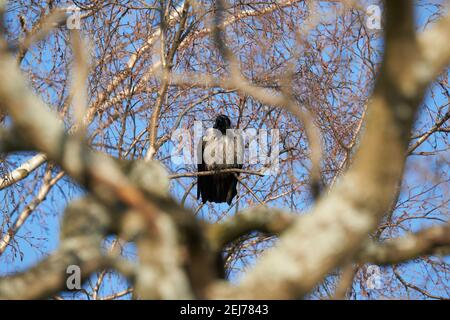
(23, 171)
(23, 216)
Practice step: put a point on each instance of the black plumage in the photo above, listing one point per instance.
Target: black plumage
(219, 187)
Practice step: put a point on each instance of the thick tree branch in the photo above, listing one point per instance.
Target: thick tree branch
(85, 225)
(333, 231)
(175, 257)
(431, 241)
(261, 219)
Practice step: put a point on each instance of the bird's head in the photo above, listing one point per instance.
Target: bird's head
(222, 123)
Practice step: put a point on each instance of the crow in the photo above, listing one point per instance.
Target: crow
(221, 148)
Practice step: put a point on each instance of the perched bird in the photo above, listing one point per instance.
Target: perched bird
(221, 148)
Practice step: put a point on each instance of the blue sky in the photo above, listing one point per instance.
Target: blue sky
(39, 236)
